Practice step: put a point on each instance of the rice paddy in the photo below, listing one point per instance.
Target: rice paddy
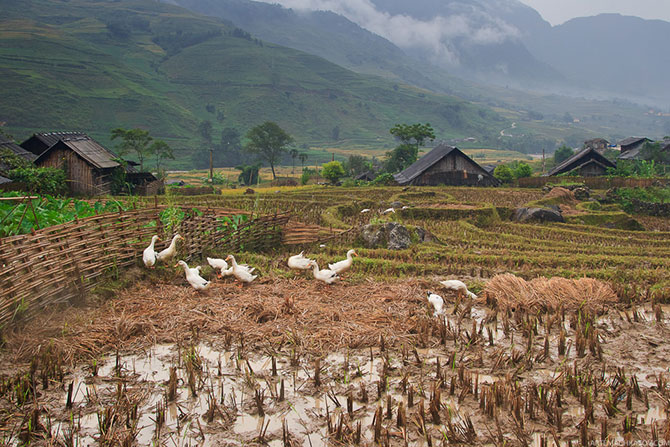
(565, 344)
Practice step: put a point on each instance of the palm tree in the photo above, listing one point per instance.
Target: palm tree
(303, 158)
(294, 153)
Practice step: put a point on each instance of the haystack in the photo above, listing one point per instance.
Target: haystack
(541, 294)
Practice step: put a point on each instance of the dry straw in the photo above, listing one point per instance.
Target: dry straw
(511, 292)
(301, 313)
(62, 263)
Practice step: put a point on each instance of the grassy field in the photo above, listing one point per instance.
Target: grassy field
(289, 361)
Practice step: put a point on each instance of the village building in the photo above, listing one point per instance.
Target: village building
(599, 144)
(7, 144)
(585, 163)
(89, 167)
(366, 176)
(445, 165)
(630, 147)
(40, 142)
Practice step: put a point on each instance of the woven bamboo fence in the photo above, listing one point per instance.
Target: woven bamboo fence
(61, 263)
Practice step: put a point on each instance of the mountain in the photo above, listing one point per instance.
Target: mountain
(491, 39)
(480, 38)
(93, 66)
(609, 53)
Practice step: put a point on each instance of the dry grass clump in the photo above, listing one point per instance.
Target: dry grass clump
(312, 317)
(511, 292)
(563, 195)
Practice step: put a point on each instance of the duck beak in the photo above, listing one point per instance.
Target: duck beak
(355, 254)
(176, 265)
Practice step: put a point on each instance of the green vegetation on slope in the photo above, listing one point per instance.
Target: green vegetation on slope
(93, 66)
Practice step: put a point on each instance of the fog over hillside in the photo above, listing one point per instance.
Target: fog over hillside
(508, 43)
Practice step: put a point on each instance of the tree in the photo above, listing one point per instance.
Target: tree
(358, 164)
(333, 171)
(654, 152)
(249, 174)
(503, 173)
(269, 141)
(411, 137)
(401, 157)
(522, 170)
(414, 134)
(563, 153)
(160, 150)
(135, 141)
(303, 158)
(294, 154)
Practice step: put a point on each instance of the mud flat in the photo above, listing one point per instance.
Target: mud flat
(289, 362)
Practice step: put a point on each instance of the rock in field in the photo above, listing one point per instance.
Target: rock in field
(538, 215)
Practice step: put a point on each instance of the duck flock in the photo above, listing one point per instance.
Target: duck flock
(244, 273)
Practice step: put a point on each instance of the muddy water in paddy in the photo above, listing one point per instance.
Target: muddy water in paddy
(472, 377)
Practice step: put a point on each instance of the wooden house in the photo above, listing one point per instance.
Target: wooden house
(40, 142)
(599, 144)
(366, 176)
(88, 165)
(585, 163)
(630, 148)
(445, 165)
(7, 145)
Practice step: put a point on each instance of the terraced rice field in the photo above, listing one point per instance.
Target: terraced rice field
(288, 361)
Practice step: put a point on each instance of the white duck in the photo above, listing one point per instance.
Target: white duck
(241, 273)
(437, 302)
(344, 265)
(168, 253)
(299, 262)
(327, 276)
(388, 210)
(365, 210)
(193, 276)
(458, 286)
(149, 254)
(218, 264)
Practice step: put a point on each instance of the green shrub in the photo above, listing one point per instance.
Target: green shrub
(40, 180)
(503, 173)
(385, 179)
(333, 171)
(522, 170)
(13, 161)
(306, 176)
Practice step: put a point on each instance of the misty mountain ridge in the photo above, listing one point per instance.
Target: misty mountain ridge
(501, 42)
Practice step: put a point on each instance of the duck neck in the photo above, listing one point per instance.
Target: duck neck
(173, 243)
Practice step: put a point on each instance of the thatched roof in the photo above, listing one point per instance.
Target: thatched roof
(580, 159)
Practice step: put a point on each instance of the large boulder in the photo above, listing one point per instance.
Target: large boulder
(582, 193)
(538, 215)
(393, 236)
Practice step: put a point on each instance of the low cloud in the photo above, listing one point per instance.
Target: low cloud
(435, 36)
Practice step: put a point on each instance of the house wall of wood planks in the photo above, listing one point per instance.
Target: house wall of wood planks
(82, 178)
(62, 263)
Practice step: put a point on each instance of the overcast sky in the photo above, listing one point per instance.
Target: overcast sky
(559, 11)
